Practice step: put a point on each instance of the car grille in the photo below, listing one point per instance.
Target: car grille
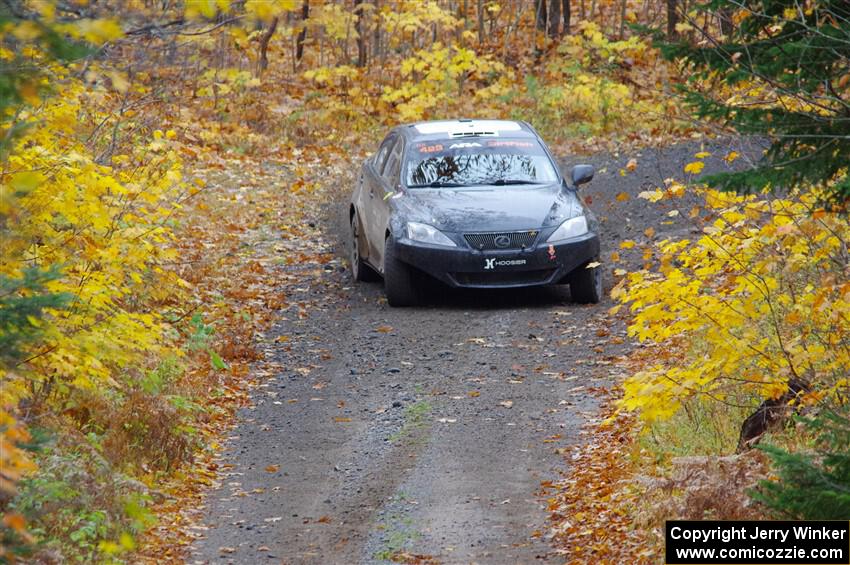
(504, 278)
(512, 240)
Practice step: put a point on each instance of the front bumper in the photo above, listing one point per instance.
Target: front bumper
(470, 268)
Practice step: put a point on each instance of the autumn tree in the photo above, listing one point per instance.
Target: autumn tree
(782, 74)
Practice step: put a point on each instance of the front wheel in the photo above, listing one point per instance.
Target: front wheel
(586, 285)
(399, 282)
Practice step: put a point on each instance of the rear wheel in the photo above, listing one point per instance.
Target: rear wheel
(400, 285)
(360, 270)
(586, 285)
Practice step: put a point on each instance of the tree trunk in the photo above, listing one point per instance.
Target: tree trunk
(554, 19)
(565, 11)
(540, 9)
(361, 35)
(264, 45)
(302, 35)
(622, 18)
(376, 34)
(480, 22)
(672, 19)
(771, 414)
(726, 24)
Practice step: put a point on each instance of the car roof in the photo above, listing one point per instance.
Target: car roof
(448, 129)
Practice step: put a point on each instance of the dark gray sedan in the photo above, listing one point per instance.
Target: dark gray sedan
(471, 203)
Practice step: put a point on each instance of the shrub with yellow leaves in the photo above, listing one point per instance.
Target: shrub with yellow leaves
(83, 286)
(107, 227)
(761, 297)
(438, 75)
(589, 88)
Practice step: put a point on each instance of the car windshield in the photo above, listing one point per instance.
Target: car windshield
(471, 162)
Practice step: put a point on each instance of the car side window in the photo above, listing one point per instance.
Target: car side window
(381, 157)
(393, 165)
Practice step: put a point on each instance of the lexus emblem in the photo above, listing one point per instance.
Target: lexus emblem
(502, 241)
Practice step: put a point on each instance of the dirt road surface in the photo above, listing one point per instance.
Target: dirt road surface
(424, 433)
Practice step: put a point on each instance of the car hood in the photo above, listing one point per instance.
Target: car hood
(487, 209)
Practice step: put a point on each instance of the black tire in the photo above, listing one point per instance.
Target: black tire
(586, 285)
(360, 270)
(400, 286)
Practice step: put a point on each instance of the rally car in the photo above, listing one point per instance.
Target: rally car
(471, 203)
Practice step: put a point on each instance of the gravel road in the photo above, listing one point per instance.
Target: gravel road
(423, 434)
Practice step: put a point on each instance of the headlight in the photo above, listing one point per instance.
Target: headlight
(427, 234)
(573, 227)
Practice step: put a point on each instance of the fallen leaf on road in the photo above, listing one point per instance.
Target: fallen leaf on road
(272, 468)
(384, 329)
(341, 419)
(226, 549)
(447, 420)
(324, 520)
(274, 519)
(506, 403)
(473, 393)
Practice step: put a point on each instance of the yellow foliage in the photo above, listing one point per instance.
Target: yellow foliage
(107, 227)
(93, 31)
(337, 21)
(267, 9)
(761, 297)
(695, 167)
(206, 8)
(13, 460)
(411, 15)
(439, 74)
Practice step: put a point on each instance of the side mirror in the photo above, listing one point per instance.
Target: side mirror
(582, 174)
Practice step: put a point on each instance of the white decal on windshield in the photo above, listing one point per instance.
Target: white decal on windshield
(463, 145)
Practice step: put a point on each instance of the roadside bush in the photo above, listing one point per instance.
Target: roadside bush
(78, 501)
(757, 300)
(588, 88)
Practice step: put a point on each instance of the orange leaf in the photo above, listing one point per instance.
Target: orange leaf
(15, 521)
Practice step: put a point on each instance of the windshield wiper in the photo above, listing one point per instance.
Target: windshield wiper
(437, 184)
(503, 182)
